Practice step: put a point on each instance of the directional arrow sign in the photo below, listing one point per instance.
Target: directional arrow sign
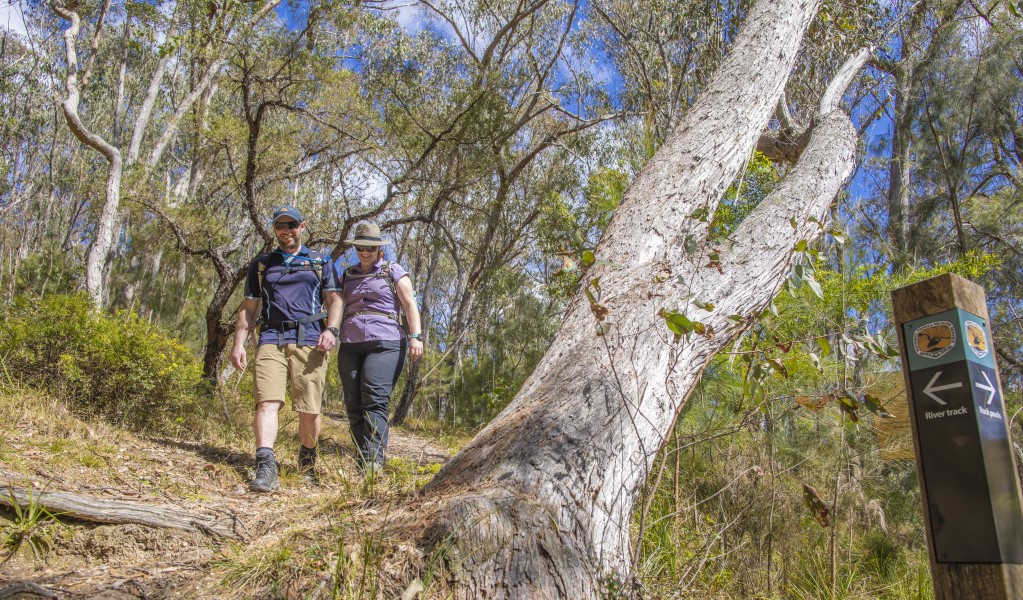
(965, 459)
(989, 387)
(931, 388)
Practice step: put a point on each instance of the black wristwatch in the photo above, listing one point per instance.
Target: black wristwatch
(335, 331)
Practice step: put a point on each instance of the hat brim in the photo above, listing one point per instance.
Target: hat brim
(367, 242)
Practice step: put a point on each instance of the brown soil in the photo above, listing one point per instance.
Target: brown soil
(304, 527)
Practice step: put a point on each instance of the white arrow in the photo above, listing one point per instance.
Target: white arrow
(989, 388)
(931, 388)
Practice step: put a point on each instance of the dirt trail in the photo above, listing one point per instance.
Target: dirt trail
(78, 559)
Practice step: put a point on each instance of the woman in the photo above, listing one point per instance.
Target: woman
(373, 342)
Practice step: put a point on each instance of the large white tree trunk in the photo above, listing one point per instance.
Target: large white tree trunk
(538, 505)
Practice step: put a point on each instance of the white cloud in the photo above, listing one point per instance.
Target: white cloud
(409, 17)
(12, 16)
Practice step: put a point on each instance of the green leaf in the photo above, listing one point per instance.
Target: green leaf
(874, 406)
(816, 287)
(773, 307)
(736, 318)
(587, 259)
(1015, 10)
(707, 306)
(839, 236)
(690, 244)
(816, 361)
(680, 280)
(792, 222)
(795, 278)
(603, 328)
(848, 403)
(778, 366)
(824, 345)
(801, 246)
(700, 214)
(678, 323)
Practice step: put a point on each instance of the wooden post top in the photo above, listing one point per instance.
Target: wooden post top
(938, 294)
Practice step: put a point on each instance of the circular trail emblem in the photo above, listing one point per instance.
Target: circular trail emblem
(934, 340)
(976, 338)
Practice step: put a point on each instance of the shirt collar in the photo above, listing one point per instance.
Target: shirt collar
(303, 250)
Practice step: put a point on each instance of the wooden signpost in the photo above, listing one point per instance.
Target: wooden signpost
(968, 481)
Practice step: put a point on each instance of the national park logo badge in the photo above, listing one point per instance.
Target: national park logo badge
(935, 339)
(976, 338)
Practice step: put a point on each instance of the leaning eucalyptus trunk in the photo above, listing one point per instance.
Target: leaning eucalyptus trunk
(539, 504)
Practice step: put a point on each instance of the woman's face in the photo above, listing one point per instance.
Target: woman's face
(368, 254)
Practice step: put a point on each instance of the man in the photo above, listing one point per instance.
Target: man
(294, 285)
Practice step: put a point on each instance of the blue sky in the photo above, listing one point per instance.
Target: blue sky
(12, 16)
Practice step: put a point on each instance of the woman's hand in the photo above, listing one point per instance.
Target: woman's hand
(415, 349)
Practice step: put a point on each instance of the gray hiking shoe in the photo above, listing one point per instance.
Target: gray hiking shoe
(266, 476)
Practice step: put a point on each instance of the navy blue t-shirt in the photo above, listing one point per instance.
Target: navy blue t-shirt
(292, 288)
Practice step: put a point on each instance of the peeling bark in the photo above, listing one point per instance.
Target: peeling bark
(539, 503)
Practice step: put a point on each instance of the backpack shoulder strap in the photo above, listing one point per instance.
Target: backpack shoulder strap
(385, 271)
(262, 263)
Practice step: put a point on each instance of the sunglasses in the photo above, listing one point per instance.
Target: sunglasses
(365, 248)
(282, 225)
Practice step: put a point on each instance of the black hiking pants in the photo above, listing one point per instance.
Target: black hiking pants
(368, 372)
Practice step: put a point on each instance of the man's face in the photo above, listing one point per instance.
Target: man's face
(289, 232)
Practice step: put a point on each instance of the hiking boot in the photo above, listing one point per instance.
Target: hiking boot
(266, 476)
(307, 465)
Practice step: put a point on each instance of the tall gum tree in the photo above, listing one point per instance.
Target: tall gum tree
(538, 505)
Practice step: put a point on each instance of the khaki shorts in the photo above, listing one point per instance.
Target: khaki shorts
(307, 366)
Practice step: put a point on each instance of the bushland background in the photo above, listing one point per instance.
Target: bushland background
(145, 143)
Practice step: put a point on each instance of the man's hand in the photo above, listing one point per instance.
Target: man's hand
(241, 332)
(238, 357)
(327, 341)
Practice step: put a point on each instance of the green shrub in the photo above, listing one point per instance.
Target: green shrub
(118, 367)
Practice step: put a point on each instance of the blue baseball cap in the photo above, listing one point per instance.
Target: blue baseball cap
(287, 210)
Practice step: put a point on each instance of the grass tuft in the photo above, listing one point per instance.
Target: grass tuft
(25, 527)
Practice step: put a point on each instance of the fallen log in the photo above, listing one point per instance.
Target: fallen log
(25, 590)
(88, 508)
